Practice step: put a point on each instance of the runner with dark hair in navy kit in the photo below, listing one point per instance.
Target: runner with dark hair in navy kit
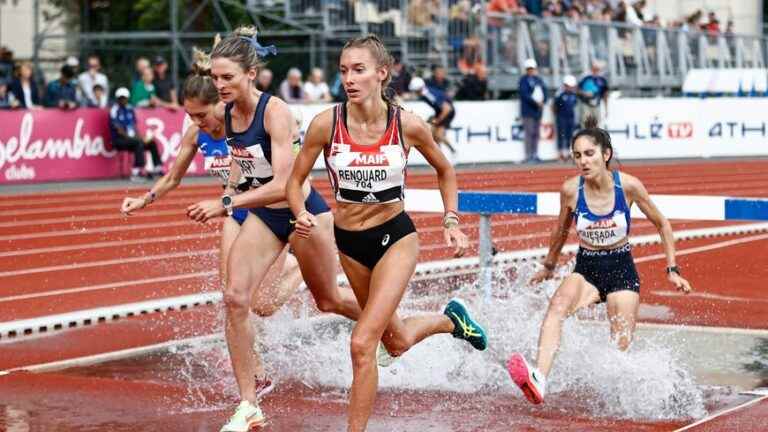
(598, 201)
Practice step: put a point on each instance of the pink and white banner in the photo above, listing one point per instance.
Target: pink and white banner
(49, 144)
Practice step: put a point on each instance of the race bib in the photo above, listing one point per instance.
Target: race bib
(252, 162)
(218, 166)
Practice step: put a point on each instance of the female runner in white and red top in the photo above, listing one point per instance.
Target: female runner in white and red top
(365, 143)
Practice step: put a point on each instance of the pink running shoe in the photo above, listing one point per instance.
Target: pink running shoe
(263, 386)
(532, 382)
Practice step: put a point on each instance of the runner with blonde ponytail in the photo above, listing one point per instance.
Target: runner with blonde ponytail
(259, 131)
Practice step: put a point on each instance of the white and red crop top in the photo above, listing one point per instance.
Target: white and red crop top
(367, 174)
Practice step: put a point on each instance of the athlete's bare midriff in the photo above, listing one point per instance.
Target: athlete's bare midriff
(359, 217)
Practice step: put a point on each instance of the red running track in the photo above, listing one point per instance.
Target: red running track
(64, 252)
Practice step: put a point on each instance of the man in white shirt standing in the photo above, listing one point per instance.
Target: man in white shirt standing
(90, 78)
(316, 89)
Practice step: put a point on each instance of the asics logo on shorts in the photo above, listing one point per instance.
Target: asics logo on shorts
(385, 240)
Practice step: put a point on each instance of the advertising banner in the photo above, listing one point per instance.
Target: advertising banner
(49, 144)
(46, 145)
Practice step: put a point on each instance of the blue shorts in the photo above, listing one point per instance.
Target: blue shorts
(239, 215)
(279, 219)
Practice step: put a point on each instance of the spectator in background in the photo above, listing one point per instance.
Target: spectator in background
(655, 21)
(291, 90)
(264, 81)
(142, 64)
(6, 64)
(400, 76)
(564, 108)
(533, 96)
(420, 13)
(606, 15)
(316, 89)
(143, 92)
(62, 93)
(74, 63)
(593, 89)
(729, 32)
(7, 101)
(165, 91)
(122, 126)
(100, 98)
(470, 60)
(474, 86)
(592, 9)
(459, 23)
(712, 27)
(634, 14)
(691, 23)
(505, 7)
(337, 89)
(439, 79)
(90, 78)
(533, 7)
(24, 87)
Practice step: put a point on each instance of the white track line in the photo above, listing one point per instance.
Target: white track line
(113, 355)
(423, 268)
(709, 296)
(705, 248)
(133, 352)
(722, 413)
(118, 261)
(78, 218)
(9, 201)
(703, 329)
(110, 286)
(106, 244)
(102, 230)
(114, 208)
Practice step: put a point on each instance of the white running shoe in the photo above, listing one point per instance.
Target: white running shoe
(383, 358)
(532, 382)
(246, 416)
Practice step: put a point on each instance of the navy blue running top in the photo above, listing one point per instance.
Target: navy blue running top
(252, 148)
(601, 231)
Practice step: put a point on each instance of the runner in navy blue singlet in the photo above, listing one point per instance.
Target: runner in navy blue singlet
(259, 131)
(598, 201)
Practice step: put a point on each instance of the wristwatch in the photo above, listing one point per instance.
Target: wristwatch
(673, 269)
(226, 201)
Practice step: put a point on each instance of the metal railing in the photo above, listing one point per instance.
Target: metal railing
(443, 32)
(453, 33)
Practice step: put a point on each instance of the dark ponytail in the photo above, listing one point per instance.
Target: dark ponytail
(598, 136)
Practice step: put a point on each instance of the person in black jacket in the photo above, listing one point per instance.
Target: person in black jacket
(24, 88)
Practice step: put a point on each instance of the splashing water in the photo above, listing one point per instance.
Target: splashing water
(650, 381)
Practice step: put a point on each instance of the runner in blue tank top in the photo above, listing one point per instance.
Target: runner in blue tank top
(259, 130)
(598, 201)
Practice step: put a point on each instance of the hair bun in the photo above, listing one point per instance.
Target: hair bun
(246, 31)
(201, 63)
(590, 122)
